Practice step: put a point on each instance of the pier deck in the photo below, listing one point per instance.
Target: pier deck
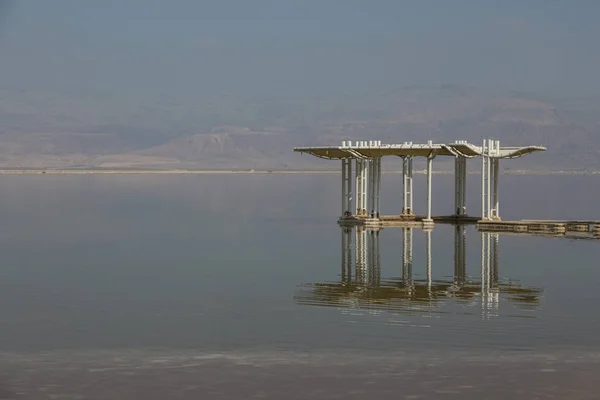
(574, 229)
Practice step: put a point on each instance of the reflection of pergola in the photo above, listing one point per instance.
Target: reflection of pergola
(367, 157)
(361, 283)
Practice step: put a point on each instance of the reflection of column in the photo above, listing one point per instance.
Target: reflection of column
(460, 262)
(360, 265)
(374, 265)
(489, 273)
(494, 260)
(428, 246)
(407, 247)
(344, 255)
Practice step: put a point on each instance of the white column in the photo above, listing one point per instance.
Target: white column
(407, 198)
(429, 171)
(457, 185)
(489, 179)
(358, 185)
(349, 186)
(372, 184)
(378, 186)
(410, 186)
(344, 171)
(495, 189)
(483, 179)
(496, 169)
(366, 186)
(464, 185)
(460, 185)
(404, 196)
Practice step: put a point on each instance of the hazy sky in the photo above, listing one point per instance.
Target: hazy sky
(283, 47)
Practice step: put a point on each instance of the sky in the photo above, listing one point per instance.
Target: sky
(199, 48)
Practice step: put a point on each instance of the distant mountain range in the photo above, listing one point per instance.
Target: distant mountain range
(82, 130)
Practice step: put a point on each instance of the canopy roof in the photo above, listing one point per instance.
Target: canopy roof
(376, 149)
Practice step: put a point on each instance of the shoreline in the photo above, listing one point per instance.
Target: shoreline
(233, 171)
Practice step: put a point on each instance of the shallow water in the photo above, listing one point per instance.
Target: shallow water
(110, 284)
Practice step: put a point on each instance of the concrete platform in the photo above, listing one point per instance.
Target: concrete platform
(542, 227)
(406, 221)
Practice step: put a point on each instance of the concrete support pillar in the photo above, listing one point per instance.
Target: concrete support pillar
(375, 186)
(407, 186)
(484, 176)
(358, 186)
(349, 187)
(460, 186)
(372, 187)
(490, 174)
(429, 173)
(488, 188)
(378, 193)
(496, 198)
(344, 181)
(366, 186)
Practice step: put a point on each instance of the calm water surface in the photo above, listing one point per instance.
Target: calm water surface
(243, 286)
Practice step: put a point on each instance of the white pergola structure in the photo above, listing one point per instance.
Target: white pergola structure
(366, 157)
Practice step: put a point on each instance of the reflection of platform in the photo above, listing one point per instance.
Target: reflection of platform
(361, 285)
